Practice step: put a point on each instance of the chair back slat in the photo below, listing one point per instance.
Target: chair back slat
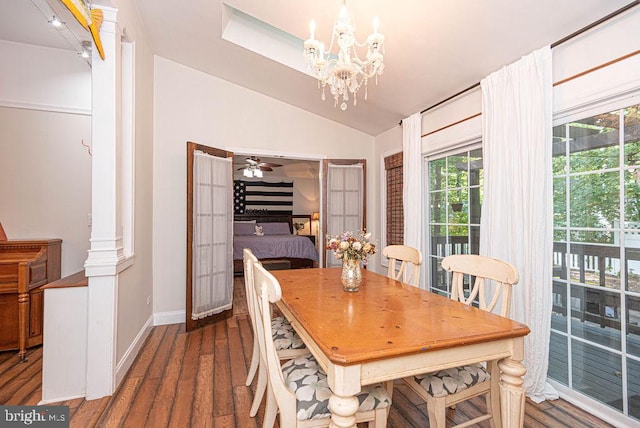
(249, 259)
(409, 261)
(268, 291)
(482, 268)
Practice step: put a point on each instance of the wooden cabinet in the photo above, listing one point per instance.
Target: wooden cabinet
(25, 266)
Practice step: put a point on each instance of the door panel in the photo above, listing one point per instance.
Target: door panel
(208, 253)
(344, 200)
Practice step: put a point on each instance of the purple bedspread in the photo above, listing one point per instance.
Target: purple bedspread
(275, 246)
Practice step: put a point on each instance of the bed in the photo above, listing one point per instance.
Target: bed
(279, 247)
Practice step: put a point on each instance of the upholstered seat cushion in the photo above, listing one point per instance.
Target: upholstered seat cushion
(284, 336)
(450, 381)
(304, 377)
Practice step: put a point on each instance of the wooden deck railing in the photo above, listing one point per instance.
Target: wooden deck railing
(589, 264)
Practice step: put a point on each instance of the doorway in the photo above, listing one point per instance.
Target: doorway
(304, 173)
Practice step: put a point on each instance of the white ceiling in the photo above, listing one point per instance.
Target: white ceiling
(26, 21)
(434, 48)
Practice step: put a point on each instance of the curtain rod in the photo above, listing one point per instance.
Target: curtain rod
(553, 45)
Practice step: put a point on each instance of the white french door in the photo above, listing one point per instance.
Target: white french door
(209, 233)
(344, 200)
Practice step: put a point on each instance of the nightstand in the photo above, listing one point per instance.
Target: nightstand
(311, 237)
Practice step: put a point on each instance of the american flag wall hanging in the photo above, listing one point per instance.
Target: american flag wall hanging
(263, 197)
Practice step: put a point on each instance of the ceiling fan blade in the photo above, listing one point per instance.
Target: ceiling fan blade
(265, 168)
(270, 165)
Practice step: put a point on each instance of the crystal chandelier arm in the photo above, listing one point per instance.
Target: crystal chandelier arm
(345, 73)
(369, 67)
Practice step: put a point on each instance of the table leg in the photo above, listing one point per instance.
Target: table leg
(511, 392)
(23, 324)
(344, 382)
(343, 411)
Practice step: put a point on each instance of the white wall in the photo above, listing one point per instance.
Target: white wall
(193, 106)
(45, 172)
(306, 195)
(44, 78)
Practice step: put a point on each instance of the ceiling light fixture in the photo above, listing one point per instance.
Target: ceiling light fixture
(252, 171)
(86, 49)
(346, 73)
(54, 21)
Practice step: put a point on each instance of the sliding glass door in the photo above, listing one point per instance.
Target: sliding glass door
(595, 336)
(455, 199)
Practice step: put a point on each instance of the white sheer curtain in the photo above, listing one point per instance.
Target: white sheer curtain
(212, 235)
(345, 194)
(412, 180)
(517, 209)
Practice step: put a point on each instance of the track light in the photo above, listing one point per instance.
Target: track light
(86, 49)
(54, 21)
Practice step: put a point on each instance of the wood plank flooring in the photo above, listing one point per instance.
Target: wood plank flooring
(197, 380)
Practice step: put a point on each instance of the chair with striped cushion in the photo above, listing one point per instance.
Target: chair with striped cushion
(447, 387)
(287, 343)
(299, 388)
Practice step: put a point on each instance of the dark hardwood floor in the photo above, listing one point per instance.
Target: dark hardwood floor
(197, 380)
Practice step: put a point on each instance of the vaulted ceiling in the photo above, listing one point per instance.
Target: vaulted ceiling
(433, 48)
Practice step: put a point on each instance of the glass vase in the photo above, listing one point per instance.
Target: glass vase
(351, 275)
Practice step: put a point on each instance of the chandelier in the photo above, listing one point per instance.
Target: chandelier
(345, 73)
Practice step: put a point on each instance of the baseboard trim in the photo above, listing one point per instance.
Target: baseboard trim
(594, 407)
(171, 317)
(127, 360)
(60, 399)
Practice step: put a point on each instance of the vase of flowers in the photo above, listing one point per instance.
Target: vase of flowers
(352, 249)
(351, 276)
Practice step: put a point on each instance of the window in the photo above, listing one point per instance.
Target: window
(455, 197)
(394, 204)
(595, 325)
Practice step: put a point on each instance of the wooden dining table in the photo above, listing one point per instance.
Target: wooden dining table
(389, 330)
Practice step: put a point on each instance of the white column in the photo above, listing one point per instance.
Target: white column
(106, 251)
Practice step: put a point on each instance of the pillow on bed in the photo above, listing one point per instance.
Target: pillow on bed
(244, 221)
(275, 228)
(243, 228)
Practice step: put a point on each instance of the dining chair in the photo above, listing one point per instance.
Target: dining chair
(409, 260)
(287, 343)
(447, 387)
(298, 388)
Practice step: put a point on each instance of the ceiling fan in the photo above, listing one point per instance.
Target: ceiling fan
(255, 163)
(254, 167)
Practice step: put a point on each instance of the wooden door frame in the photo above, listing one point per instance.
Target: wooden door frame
(190, 323)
